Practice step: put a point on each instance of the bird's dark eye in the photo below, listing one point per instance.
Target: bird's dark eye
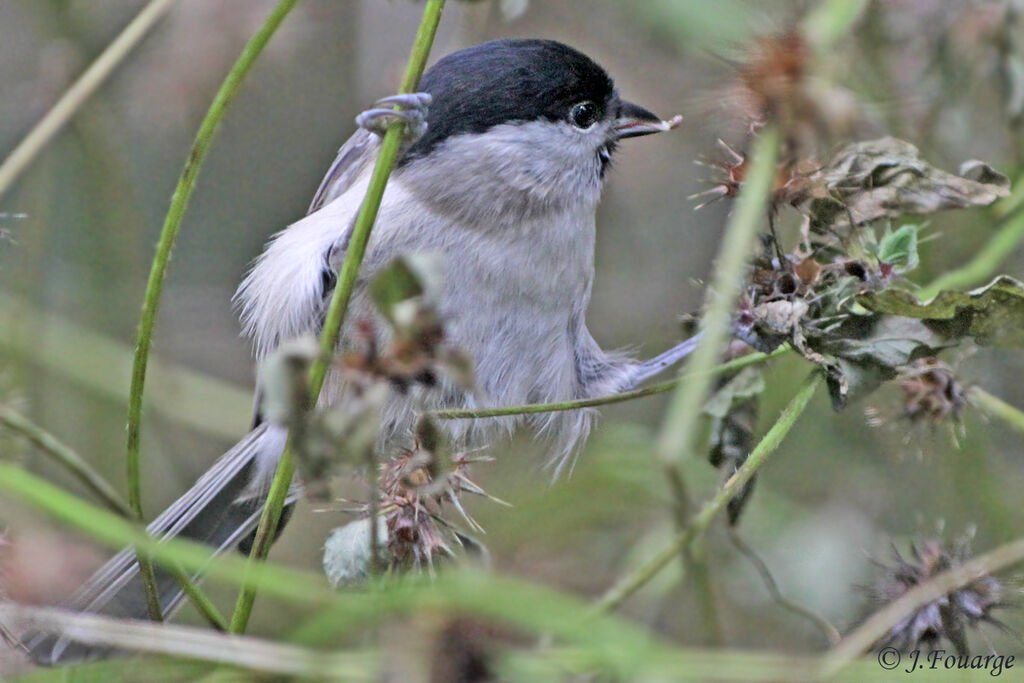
(584, 114)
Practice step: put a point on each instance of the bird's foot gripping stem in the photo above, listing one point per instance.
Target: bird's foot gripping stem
(413, 112)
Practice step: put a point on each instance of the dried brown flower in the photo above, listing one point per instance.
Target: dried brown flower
(947, 618)
(931, 391)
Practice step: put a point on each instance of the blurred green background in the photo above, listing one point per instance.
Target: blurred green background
(938, 73)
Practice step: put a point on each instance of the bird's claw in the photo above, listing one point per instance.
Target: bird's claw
(413, 113)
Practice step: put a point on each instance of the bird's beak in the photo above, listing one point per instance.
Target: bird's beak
(634, 121)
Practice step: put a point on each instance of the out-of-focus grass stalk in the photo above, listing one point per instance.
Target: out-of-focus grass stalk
(154, 287)
(997, 407)
(532, 607)
(77, 466)
(66, 457)
(861, 639)
(181, 641)
(669, 385)
(386, 157)
(984, 264)
(700, 522)
(679, 429)
(831, 20)
(92, 78)
(102, 366)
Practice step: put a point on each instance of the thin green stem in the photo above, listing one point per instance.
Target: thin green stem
(386, 158)
(67, 457)
(831, 20)
(101, 488)
(985, 263)
(700, 522)
(679, 430)
(869, 632)
(154, 287)
(529, 408)
(997, 407)
(81, 90)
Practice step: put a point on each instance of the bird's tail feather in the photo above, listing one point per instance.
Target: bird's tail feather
(220, 510)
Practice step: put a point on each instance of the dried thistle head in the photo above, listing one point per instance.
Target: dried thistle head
(773, 83)
(949, 617)
(931, 391)
(773, 77)
(416, 489)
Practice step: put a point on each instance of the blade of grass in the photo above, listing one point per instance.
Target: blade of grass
(74, 463)
(192, 643)
(82, 89)
(679, 429)
(103, 366)
(386, 157)
(535, 608)
(65, 456)
(154, 287)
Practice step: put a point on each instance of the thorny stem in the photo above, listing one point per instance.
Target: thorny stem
(81, 90)
(861, 639)
(997, 407)
(700, 522)
(154, 287)
(386, 158)
(529, 408)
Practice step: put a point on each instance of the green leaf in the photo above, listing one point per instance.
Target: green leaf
(899, 248)
(993, 315)
(886, 178)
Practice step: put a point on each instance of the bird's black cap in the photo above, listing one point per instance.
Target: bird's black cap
(507, 81)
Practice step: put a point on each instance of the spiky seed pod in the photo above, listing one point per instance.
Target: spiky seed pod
(949, 617)
(931, 391)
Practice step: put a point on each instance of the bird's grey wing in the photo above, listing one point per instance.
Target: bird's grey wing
(353, 157)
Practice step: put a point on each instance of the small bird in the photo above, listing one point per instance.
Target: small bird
(507, 150)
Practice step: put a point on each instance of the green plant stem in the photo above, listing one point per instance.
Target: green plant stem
(529, 408)
(386, 157)
(92, 78)
(869, 632)
(700, 522)
(101, 488)
(67, 457)
(984, 263)
(154, 287)
(831, 20)
(997, 407)
(679, 430)
(535, 608)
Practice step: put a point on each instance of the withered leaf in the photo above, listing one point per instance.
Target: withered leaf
(866, 350)
(886, 178)
(745, 384)
(993, 315)
(734, 409)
